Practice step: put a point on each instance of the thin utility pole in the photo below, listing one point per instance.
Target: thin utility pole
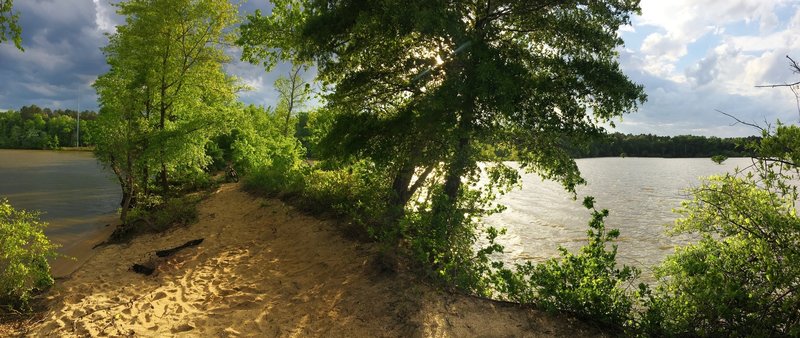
(78, 137)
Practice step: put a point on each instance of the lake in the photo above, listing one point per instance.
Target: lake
(640, 194)
(77, 197)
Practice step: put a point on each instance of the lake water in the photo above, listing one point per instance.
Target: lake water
(77, 196)
(640, 194)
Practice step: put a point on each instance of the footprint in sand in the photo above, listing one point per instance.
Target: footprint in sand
(182, 328)
(159, 295)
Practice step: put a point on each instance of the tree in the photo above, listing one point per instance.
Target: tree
(9, 27)
(740, 277)
(166, 94)
(294, 92)
(418, 83)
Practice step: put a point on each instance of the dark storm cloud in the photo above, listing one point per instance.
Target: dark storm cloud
(62, 56)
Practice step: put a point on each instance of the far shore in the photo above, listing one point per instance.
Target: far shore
(58, 149)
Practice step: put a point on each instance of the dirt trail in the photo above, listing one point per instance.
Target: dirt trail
(267, 270)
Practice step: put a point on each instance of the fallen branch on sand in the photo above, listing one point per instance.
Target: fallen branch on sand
(170, 252)
(147, 269)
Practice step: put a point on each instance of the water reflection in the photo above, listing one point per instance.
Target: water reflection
(77, 197)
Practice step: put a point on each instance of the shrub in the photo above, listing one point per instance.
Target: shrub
(24, 251)
(742, 277)
(156, 215)
(356, 192)
(442, 237)
(588, 284)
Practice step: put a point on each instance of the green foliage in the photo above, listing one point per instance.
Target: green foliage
(647, 145)
(741, 277)
(24, 251)
(356, 192)
(166, 94)
(442, 244)
(258, 143)
(293, 92)
(154, 214)
(269, 160)
(588, 284)
(33, 127)
(276, 179)
(718, 159)
(9, 26)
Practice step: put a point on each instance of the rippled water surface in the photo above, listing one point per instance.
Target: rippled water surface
(75, 194)
(78, 198)
(639, 192)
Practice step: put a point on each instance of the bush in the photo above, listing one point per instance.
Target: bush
(24, 251)
(275, 180)
(157, 215)
(356, 192)
(742, 277)
(193, 181)
(442, 237)
(587, 284)
(718, 159)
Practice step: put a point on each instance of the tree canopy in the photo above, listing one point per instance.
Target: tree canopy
(9, 26)
(33, 127)
(166, 94)
(418, 84)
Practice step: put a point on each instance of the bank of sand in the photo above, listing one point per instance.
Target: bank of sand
(267, 270)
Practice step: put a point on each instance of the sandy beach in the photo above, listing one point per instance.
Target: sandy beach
(265, 269)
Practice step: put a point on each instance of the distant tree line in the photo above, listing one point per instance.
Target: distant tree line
(33, 127)
(643, 145)
(647, 145)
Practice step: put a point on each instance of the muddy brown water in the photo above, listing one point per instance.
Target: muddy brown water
(78, 198)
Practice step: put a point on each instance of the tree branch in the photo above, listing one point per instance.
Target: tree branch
(738, 121)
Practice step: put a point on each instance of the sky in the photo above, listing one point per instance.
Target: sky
(693, 57)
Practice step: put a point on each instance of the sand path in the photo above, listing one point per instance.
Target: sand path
(267, 270)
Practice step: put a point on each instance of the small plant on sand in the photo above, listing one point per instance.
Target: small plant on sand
(24, 251)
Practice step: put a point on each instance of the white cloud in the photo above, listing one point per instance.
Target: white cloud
(103, 18)
(742, 43)
(683, 22)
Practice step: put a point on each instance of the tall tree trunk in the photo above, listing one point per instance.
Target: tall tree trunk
(127, 181)
(292, 97)
(461, 163)
(163, 116)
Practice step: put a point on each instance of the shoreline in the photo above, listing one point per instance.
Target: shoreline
(64, 149)
(266, 269)
(77, 253)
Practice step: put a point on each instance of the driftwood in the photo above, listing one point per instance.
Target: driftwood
(170, 252)
(143, 269)
(148, 268)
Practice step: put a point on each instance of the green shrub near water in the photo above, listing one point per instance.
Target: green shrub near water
(741, 278)
(354, 192)
(588, 283)
(156, 214)
(24, 251)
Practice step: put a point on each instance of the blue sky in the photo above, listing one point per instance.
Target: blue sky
(693, 57)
